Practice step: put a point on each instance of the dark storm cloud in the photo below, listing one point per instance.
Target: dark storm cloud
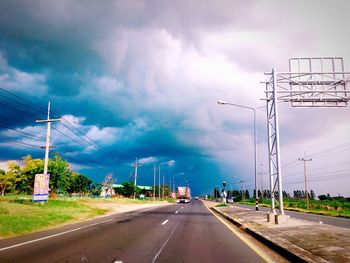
(150, 73)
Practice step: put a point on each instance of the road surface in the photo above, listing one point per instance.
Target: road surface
(335, 221)
(174, 233)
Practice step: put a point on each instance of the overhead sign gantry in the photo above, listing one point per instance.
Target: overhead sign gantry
(310, 82)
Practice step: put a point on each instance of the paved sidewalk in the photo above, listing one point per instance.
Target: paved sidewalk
(297, 240)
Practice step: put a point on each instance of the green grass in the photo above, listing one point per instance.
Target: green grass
(325, 207)
(221, 205)
(21, 215)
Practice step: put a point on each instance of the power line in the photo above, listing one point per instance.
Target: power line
(29, 103)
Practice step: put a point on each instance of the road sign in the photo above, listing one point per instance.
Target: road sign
(41, 187)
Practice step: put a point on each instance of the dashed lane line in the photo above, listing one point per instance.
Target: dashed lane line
(166, 241)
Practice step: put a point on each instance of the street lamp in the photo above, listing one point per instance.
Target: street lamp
(168, 162)
(174, 180)
(220, 102)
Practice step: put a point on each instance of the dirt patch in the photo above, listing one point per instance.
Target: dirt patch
(115, 208)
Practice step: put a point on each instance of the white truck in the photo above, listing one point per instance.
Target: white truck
(183, 194)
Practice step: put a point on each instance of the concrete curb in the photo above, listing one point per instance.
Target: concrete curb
(281, 246)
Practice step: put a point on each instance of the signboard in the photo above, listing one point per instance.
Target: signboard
(41, 187)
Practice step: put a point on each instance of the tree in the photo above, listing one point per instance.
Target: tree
(312, 195)
(128, 189)
(108, 184)
(95, 188)
(324, 197)
(246, 195)
(30, 169)
(10, 179)
(3, 182)
(79, 183)
(259, 194)
(59, 174)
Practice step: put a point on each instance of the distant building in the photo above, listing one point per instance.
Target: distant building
(146, 190)
(107, 192)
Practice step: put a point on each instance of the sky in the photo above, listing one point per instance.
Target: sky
(141, 79)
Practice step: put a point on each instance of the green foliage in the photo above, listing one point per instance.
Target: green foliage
(221, 205)
(30, 169)
(329, 206)
(62, 179)
(95, 189)
(78, 183)
(59, 174)
(127, 190)
(10, 179)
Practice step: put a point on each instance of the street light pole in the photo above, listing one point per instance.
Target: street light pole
(154, 182)
(174, 180)
(255, 147)
(168, 162)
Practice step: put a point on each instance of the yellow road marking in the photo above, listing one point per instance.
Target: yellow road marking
(245, 240)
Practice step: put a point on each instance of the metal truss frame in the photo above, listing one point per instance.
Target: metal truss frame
(302, 87)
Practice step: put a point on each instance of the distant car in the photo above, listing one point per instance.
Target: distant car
(196, 198)
(229, 200)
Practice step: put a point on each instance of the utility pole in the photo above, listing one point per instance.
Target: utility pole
(163, 188)
(135, 178)
(261, 182)
(159, 181)
(154, 182)
(47, 146)
(306, 192)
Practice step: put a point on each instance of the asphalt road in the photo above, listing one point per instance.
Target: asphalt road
(335, 221)
(174, 233)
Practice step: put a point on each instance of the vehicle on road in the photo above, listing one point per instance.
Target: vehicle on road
(183, 194)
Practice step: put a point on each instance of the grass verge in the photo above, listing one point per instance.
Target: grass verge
(221, 205)
(20, 216)
(316, 207)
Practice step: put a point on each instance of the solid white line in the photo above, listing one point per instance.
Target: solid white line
(68, 231)
(241, 237)
(166, 221)
(176, 212)
(55, 235)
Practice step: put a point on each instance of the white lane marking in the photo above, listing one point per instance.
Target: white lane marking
(166, 221)
(55, 235)
(176, 212)
(166, 241)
